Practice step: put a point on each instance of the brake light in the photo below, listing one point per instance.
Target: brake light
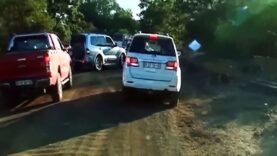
(153, 37)
(172, 65)
(48, 64)
(46, 59)
(132, 61)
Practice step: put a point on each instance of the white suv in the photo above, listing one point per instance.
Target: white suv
(152, 64)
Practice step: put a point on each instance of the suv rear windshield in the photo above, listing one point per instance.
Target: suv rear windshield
(30, 43)
(78, 39)
(159, 46)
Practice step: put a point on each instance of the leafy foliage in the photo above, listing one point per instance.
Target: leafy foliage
(255, 35)
(108, 17)
(63, 17)
(233, 29)
(26, 16)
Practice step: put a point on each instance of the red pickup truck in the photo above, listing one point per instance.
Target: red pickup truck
(36, 60)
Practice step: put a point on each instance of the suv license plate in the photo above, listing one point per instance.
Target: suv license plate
(24, 83)
(152, 65)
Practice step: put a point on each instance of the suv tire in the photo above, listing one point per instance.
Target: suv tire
(98, 64)
(174, 99)
(121, 60)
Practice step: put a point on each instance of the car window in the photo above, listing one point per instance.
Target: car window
(97, 40)
(57, 43)
(60, 43)
(160, 46)
(109, 41)
(30, 43)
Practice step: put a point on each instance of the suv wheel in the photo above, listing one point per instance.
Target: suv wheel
(57, 90)
(174, 99)
(121, 60)
(98, 63)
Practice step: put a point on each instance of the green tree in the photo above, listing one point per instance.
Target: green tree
(184, 20)
(100, 13)
(255, 35)
(155, 15)
(68, 17)
(23, 17)
(108, 17)
(123, 22)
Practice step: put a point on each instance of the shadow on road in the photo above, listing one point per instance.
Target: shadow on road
(89, 69)
(269, 142)
(17, 100)
(71, 119)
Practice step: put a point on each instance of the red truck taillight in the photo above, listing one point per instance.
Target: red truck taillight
(46, 58)
(47, 62)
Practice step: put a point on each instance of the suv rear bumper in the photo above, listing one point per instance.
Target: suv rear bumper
(160, 93)
(36, 83)
(171, 86)
(144, 84)
(150, 85)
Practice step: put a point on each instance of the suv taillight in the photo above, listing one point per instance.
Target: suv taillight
(172, 65)
(132, 61)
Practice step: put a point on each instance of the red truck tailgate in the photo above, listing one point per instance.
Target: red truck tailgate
(19, 66)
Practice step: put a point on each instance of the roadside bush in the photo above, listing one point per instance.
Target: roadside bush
(257, 35)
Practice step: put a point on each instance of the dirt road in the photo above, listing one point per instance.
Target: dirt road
(93, 120)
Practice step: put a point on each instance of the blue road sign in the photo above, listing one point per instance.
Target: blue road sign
(195, 45)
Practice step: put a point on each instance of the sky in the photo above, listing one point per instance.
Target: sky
(130, 4)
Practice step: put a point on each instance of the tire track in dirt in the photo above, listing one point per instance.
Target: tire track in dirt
(153, 135)
(199, 137)
(92, 144)
(87, 145)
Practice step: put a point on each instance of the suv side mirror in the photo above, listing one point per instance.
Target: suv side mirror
(115, 45)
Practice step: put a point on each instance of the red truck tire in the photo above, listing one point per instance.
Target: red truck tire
(69, 84)
(57, 90)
